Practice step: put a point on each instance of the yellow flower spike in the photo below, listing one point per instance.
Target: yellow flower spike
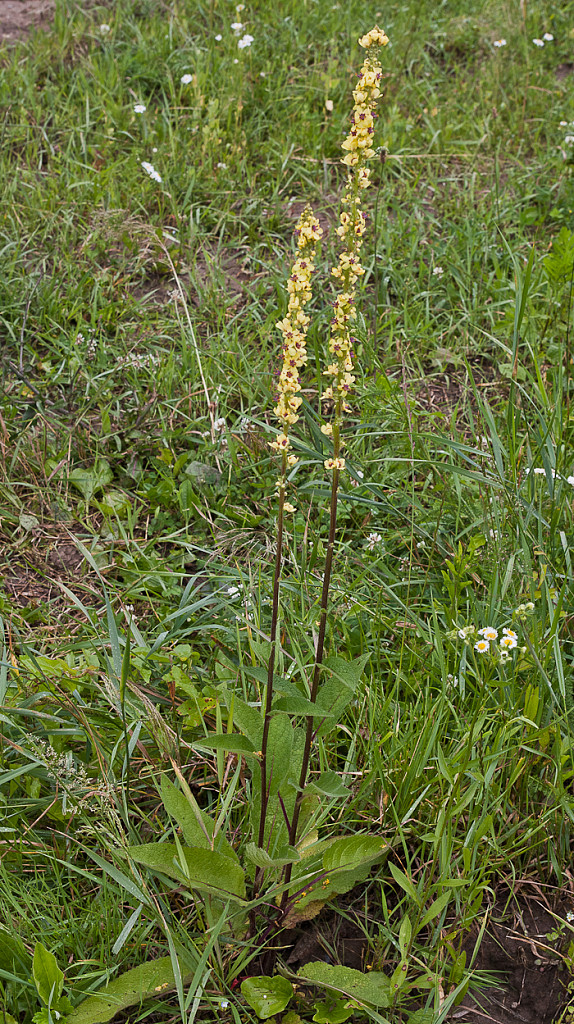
(357, 149)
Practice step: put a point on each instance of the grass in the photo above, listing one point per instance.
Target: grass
(136, 483)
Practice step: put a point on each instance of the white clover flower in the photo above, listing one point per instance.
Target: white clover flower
(237, 27)
(499, 42)
(548, 37)
(150, 169)
(374, 540)
(538, 42)
(218, 37)
(488, 632)
(482, 646)
(245, 41)
(139, 108)
(104, 29)
(186, 79)
(220, 424)
(438, 271)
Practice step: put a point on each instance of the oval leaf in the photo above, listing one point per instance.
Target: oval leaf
(266, 995)
(367, 988)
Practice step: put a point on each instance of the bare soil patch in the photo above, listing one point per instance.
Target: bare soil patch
(18, 17)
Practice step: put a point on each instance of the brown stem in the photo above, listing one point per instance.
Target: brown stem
(270, 672)
(316, 673)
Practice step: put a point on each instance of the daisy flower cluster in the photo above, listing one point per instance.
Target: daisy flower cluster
(488, 640)
(358, 147)
(294, 330)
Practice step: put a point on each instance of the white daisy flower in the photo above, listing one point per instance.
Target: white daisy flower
(482, 646)
(538, 42)
(508, 643)
(237, 27)
(150, 169)
(218, 37)
(510, 633)
(499, 42)
(139, 108)
(186, 79)
(548, 37)
(489, 633)
(245, 41)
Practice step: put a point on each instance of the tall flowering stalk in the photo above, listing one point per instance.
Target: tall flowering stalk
(294, 330)
(358, 150)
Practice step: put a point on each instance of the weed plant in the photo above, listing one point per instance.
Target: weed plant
(161, 852)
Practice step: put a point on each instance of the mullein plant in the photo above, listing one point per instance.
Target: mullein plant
(280, 874)
(358, 149)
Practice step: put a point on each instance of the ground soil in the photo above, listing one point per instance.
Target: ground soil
(17, 17)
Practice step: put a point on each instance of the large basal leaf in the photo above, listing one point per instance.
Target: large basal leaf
(370, 988)
(48, 977)
(205, 870)
(179, 808)
(351, 852)
(129, 989)
(267, 995)
(345, 862)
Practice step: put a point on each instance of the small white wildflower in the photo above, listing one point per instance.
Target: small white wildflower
(245, 41)
(233, 592)
(499, 42)
(104, 29)
(329, 106)
(539, 471)
(186, 79)
(462, 634)
(538, 42)
(508, 643)
(421, 544)
(374, 540)
(154, 149)
(484, 442)
(570, 480)
(493, 534)
(569, 139)
(482, 646)
(139, 108)
(489, 633)
(218, 37)
(438, 272)
(220, 424)
(548, 37)
(262, 74)
(564, 124)
(239, 8)
(237, 27)
(510, 633)
(150, 169)
(221, 166)
(570, 916)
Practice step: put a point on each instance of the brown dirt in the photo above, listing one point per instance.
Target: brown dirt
(18, 17)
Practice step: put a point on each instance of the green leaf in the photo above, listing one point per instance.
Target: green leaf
(232, 743)
(328, 784)
(347, 672)
(405, 883)
(267, 995)
(189, 817)
(129, 989)
(405, 934)
(352, 852)
(261, 858)
(337, 690)
(48, 977)
(421, 1017)
(332, 1012)
(203, 869)
(371, 988)
(89, 481)
(248, 720)
(279, 749)
(436, 908)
